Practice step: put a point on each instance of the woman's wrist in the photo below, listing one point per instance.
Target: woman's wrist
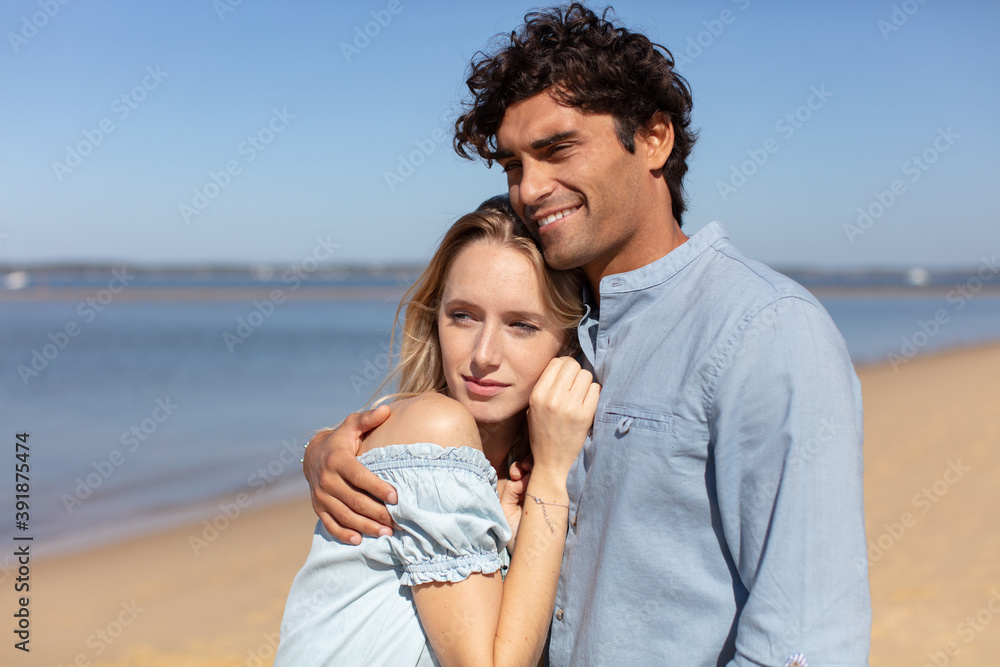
(548, 485)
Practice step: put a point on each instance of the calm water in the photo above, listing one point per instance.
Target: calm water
(146, 418)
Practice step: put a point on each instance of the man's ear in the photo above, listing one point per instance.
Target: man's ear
(657, 140)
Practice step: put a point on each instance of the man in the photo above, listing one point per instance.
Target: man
(715, 513)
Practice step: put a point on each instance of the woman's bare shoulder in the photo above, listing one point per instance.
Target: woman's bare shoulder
(428, 417)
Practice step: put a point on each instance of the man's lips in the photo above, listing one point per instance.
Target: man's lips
(483, 387)
(552, 216)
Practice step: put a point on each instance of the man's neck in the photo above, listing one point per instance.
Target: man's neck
(651, 249)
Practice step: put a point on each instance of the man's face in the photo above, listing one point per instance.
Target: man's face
(575, 185)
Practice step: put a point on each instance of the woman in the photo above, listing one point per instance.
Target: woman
(483, 326)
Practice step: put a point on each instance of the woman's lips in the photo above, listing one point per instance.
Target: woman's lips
(483, 387)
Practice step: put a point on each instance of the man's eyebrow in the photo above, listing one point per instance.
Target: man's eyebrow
(503, 153)
(553, 139)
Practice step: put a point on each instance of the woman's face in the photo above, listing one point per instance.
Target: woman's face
(495, 331)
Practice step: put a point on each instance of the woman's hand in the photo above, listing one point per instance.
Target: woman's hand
(560, 412)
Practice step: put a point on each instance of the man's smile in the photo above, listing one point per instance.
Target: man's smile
(549, 218)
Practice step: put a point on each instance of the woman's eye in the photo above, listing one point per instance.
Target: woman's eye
(458, 316)
(524, 326)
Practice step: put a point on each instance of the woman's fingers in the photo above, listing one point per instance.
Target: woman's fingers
(564, 388)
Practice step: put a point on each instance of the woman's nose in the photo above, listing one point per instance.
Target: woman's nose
(488, 349)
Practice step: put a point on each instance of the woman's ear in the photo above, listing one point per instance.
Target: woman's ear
(568, 348)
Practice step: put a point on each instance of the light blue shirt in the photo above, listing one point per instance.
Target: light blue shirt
(716, 511)
(352, 605)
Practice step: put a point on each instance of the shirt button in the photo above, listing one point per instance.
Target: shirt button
(559, 614)
(624, 425)
(574, 521)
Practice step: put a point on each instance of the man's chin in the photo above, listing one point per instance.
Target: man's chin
(560, 261)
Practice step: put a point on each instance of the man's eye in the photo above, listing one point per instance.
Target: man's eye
(510, 166)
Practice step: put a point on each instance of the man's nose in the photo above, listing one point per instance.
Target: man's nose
(534, 186)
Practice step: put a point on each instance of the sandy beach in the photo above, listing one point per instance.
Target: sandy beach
(932, 452)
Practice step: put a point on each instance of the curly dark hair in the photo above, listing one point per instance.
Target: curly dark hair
(588, 63)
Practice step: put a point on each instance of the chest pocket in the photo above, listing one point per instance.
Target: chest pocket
(656, 443)
(623, 419)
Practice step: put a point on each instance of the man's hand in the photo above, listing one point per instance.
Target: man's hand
(341, 486)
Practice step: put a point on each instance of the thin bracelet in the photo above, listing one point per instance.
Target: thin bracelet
(545, 514)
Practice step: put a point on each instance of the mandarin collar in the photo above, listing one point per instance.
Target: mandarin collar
(667, 266)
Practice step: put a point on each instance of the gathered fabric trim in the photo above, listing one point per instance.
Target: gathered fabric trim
(429, 455)
(450, 570)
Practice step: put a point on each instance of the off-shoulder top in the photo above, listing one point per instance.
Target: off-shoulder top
(352, 605)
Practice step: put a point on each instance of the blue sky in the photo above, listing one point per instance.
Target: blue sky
(309, 118)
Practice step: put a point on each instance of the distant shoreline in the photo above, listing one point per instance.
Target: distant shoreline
(44, 293)
(241, 293)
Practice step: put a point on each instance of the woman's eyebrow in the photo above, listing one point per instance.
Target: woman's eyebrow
(525, 315)
(532, 315)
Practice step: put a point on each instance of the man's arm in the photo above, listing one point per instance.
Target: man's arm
(787, 435)
(345, 495)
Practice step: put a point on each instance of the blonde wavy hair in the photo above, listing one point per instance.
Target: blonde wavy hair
(418, 368)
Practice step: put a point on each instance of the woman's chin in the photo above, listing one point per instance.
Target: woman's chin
(489, 416)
